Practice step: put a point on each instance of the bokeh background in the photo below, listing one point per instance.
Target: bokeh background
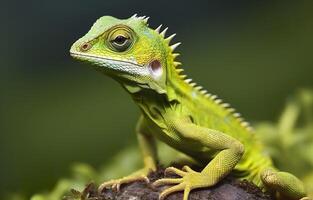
(55, 111)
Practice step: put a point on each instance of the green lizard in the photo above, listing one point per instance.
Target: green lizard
(177, 111)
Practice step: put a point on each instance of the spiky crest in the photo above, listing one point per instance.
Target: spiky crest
(134, 15)
(142, 18)
(188, 81)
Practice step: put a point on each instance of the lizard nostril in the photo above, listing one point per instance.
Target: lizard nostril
(85, 47)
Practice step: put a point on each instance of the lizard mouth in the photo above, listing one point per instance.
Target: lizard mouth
(109, 64)
(85, 56)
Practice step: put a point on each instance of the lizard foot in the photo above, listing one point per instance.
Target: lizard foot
(140, 175)
(189, 180)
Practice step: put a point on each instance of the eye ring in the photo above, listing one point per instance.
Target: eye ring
(120, 39)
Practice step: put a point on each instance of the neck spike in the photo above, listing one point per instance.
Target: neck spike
(199, 87)
(158, 29)
(177, 63)
(174, 46)
(175, 55)
(163, 32)
(203, 91)
(188, 80)
(179, 70)
(168, 39)
(225, 105)
(183, 76)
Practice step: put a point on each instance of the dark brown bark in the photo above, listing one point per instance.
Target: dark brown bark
(228, 189)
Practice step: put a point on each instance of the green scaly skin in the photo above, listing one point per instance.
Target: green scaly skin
(177, 112)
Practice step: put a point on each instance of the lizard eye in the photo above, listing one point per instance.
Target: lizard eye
(120, 40)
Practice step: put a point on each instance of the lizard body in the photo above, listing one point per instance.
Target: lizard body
(177, 111)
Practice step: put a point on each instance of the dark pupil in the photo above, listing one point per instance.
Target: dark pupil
(120, 39)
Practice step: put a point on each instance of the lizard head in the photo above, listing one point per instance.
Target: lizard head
(128, 51)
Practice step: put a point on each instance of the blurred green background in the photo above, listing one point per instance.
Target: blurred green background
(55, 111)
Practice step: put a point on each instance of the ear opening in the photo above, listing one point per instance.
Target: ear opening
(155, 68)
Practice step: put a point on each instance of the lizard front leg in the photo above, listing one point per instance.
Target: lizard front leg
(148, 148)
(230, 152)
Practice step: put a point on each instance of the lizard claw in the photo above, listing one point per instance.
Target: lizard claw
(116, 184)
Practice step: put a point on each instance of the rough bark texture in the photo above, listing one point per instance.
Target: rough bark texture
(228, 189)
